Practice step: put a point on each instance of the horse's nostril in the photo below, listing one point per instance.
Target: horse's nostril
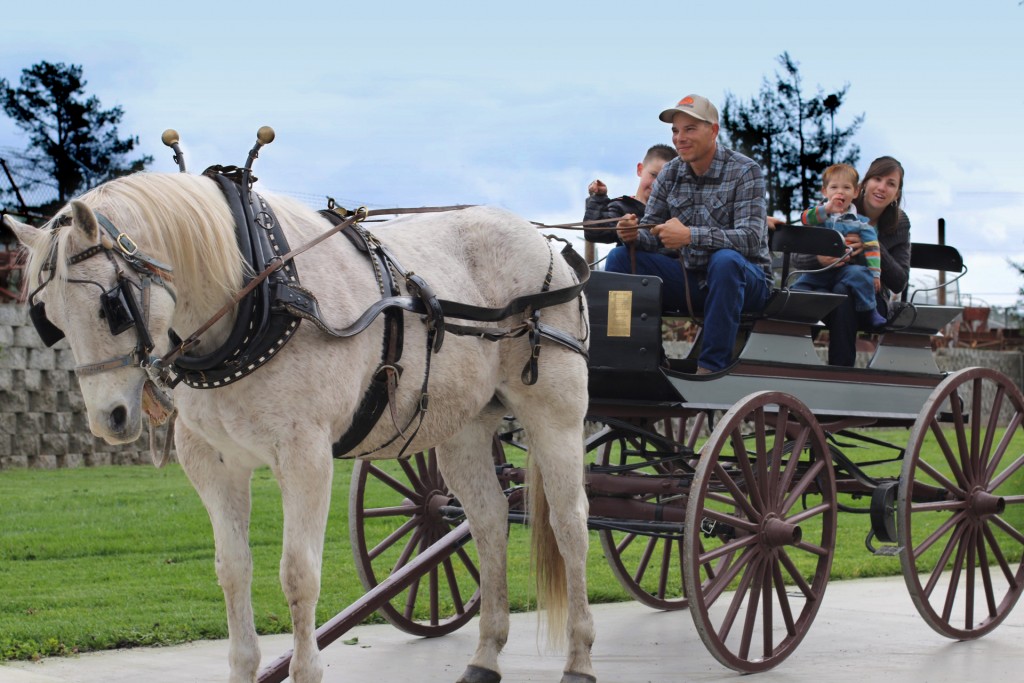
(118, 418)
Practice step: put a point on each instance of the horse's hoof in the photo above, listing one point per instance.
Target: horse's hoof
(572, 677)
(478, 674)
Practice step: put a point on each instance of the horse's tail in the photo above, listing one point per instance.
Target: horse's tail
(548, 564)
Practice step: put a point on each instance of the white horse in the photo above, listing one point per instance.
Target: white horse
(287, 414)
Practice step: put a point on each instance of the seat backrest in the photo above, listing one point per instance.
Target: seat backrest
(800, 239)
(936, 257)
(940, 257)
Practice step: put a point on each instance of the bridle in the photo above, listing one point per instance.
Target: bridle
(119, 305)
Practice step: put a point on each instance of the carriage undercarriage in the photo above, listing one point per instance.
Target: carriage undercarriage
(722, 495)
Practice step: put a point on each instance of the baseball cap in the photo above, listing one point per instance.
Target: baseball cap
(692, 105)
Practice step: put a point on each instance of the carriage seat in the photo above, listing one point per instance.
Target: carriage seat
(785, 304)
(928, 319)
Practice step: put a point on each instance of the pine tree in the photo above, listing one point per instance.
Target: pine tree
(70, 135)
(791, 135)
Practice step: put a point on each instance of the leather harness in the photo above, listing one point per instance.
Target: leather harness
(270, 311)
(272, 303)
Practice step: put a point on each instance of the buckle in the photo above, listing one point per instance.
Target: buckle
(131, 249)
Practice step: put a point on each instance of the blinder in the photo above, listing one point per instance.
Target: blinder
(118, 307)
(115, 308)
(47, 331)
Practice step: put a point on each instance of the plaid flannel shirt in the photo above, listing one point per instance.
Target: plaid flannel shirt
(724, 209)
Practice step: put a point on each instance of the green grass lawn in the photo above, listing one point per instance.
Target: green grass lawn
(123, 556)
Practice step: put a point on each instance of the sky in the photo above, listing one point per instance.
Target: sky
(522, 104)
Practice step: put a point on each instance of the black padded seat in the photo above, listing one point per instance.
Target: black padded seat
(927, 319)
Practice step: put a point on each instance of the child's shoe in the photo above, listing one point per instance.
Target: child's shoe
(877, 319)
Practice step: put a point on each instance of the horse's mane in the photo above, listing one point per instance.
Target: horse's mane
(174, 218)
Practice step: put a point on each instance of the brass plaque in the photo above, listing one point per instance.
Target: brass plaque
(620, 312)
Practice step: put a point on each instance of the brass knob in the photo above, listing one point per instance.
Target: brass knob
(170, 137)
(265, 135)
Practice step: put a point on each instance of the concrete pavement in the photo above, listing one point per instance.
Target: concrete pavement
(866, 630)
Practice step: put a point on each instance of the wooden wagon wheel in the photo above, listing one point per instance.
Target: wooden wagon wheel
(394, 514)
(960, 516)
(649, 567)
(777, 515)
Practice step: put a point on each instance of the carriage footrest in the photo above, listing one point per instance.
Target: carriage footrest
(883, 549)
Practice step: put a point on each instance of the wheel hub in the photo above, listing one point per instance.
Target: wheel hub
(776, 532)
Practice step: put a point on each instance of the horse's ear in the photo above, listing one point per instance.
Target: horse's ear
(85, 220)
(32, 237)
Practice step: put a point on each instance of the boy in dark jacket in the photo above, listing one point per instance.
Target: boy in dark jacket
(600, 206)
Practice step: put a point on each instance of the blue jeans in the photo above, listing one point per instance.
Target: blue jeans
(855, 281)
(731, 285)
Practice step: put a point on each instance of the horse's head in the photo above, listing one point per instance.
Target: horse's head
(90, 282)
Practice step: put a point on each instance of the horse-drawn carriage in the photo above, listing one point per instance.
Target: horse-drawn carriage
(721, 492)
(716, 492)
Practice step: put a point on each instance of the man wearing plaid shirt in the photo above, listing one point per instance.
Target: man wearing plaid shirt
(710, 204)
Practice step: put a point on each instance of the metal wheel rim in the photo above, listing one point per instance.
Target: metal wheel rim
(969, 537)
(761, 562)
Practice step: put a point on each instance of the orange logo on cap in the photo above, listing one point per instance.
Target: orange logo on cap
(685, 101)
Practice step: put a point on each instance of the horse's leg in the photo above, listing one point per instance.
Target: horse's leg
(304, 470)
(468, 469)
(554, 427)
(225, 491)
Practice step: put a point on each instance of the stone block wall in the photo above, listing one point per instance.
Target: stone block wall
(42, 415)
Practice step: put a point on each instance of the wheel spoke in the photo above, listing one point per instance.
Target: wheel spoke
(1005, 526)
(396, 485)
(804, 515)
(716, 587)
(766, 607)
(725, 518)
(754, 591)
(794, 459)
(974, 454)
(969, 596)
(996, 458)
(927, 543)
(755, 505)
(645, 558)
(732, 546)
(784, 606)
(469, 564)
(941, 479)
(986, 576)
(394, 511)
(407, 551)
(941, 506)
(666, 562)
(947, 453)
(415, 481)
(801, 486)
(394, 536)
(775, 466)
(954, 579)
(944, 556)
(990, 431)
(797, 577)
(625, 542)
(737, 494)
(737, 599)
(997, 553)
(960, 430)
(1006, 474)
(453, 585)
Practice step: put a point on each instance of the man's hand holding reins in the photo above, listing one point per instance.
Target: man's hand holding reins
(626, 228)
(672, 233)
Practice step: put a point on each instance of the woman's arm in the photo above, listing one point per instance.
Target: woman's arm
(895, 248)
